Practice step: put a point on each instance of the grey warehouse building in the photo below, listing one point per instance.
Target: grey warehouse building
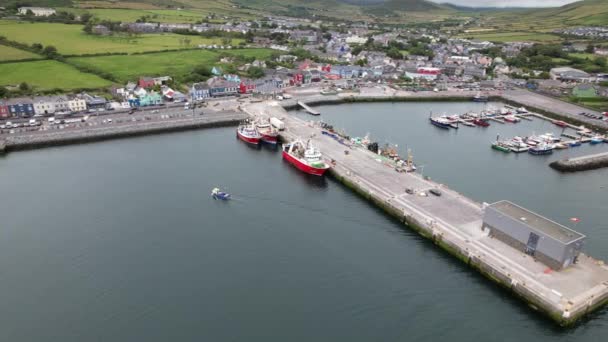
(551, 243)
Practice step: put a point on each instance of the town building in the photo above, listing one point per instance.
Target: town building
(569, 74)
(548, 242)
(4, 113)
(146, 82)
(424, 73)
(94, 103)
(77, 104)
(20, 107)
(199, 91)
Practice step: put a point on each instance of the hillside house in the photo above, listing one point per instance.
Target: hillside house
(150, 99)
(37, 11)
(146, 82)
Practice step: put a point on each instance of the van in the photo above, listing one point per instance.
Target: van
(51, 121)
(33, 122)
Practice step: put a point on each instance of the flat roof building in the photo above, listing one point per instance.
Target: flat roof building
(551, 243)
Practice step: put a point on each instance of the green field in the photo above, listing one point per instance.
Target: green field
(517, 36)
(176, 64)
(8, 53)
(131, 15)
(588, 56)
(255, 53)
(44, 75)
(70, 40)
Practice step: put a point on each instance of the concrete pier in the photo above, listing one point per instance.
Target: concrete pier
(453, 222)
(308, 109)
(86, 134)
(589, 162)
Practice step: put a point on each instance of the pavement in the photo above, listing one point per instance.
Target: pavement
(552, 105)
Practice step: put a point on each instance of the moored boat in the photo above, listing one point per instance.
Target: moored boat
(305, 157)
(440, 122)
(267, 132)
(541, 149)
(248, 133)
(575, 143)
(512, 118)
(521, 110)
(560, 123)
(500, 146)
(481, 123)
(596, 140)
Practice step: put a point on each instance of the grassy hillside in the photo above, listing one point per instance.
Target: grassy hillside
(177, 64)
(45, 75)
(70, 40)
(587, 12)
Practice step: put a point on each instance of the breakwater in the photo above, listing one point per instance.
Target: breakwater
(86, 135)
(589, 162)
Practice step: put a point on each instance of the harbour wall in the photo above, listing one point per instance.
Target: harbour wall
(497, 275)
(80, 136)
(590, 162)
(564, 315)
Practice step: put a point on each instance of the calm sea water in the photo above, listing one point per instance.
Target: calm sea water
(120, 241)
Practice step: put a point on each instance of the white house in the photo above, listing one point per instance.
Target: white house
(44, 105)
(356, 40)
(77, 104)
(38, 11)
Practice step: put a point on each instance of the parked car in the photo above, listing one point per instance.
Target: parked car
(409, 191)
(435, 192)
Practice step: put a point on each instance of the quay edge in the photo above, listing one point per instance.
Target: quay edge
(118, 132)
(498, 277)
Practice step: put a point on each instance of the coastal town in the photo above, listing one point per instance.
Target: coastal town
(270, 80)
(335, 56)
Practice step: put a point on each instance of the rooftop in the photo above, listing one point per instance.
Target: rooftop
(537, 222)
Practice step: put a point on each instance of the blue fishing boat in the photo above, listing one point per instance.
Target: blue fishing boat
(220, 195)
(575, 143)
(541, 149)
(441, 123)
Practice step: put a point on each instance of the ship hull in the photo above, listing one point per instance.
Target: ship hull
(311, 170)
(248, 139)
(270, 138)
(440, 124)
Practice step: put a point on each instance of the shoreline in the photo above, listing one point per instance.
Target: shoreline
(11, 143)
(84, 136)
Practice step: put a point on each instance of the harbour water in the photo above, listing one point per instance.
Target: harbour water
(120, 241)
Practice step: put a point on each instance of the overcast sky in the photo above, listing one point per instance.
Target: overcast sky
(507, 3)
